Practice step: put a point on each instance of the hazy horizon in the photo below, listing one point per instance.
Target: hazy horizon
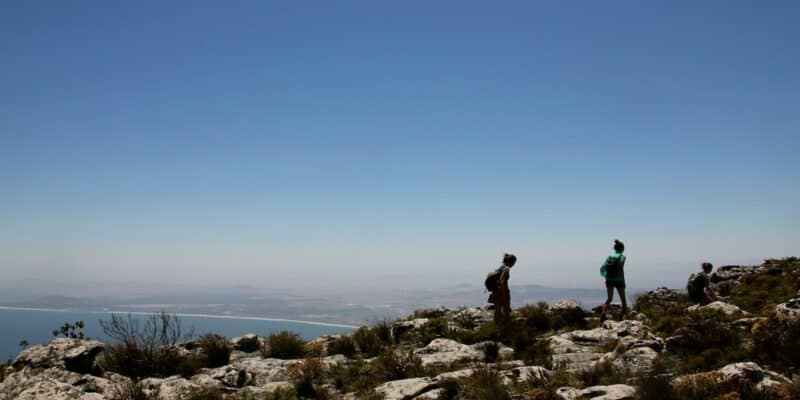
(385, 145)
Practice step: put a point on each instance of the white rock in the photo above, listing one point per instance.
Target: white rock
(447, 351)
(610, 392)
(789, 310)
(565, 305)
(405, 388)
(726, 308)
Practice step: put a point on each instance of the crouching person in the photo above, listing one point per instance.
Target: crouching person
(699, 286)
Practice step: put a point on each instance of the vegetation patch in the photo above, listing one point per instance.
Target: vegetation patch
(284, 345)
(216, 349)
(760, 292)
(148, 349)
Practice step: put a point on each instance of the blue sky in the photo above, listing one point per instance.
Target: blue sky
(264, 142)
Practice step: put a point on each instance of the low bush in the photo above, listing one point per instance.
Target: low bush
(536, 316)
(368, 342)
(285, 345)
(344, 345)
(393, 365)
(706, 341)
(307, 378)
(484, 383)
(216, 349)
(776, 343)
(435, 328)
(146, 350)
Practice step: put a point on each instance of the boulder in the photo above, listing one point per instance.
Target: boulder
(751, 371)
(565, 305)
(789, 310)
(732, 273)
(610, 392)
(76, 355)
(526, 374)
(444, 352)
(405, 388)
(248, 343)
(725, 308)
(581, 349)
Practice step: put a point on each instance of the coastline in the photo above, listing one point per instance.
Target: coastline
(191, 315)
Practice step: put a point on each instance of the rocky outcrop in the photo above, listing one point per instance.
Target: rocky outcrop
(582, 349)
(76, 355)
(721, 306)
(752, 372)
(248, 343)
(443, 352)
(789, 310)
(732, 273)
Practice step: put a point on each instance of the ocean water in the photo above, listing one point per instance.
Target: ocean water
(36, 326)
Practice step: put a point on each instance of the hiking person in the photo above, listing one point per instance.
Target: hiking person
(613, 270)
(497, 284)
(699, 287)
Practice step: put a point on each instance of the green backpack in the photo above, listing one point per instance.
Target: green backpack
(614, 269)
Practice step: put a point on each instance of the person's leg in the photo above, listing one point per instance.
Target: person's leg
(609, 298)
(621, 290)
(507, 305)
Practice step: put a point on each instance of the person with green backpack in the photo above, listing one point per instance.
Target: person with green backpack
(614, 272)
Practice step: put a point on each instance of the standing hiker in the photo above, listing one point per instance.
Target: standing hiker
(699, 287)
(613, 271)
(497, 283)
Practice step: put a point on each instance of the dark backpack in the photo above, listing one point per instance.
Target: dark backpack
(696, 284)
(613, 270)
(492, 281)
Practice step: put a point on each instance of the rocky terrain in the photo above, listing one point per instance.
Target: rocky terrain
(747, 345)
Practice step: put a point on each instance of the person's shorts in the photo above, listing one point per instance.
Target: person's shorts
(698, 297)
(615, 284)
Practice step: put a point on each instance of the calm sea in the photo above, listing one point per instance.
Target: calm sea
(36, 327)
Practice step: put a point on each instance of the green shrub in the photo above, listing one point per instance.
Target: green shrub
(72, 331)
(435, 328)
(344, 345)
(706, 341)
(394, 365)
(569, 318)
(285, 345)
(485, 383)
(776, 343)
(216, 349)
(536, 316)
(656, 383)
(307, 377)
(368, 342)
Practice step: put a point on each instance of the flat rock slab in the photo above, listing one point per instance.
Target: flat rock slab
(610, 392)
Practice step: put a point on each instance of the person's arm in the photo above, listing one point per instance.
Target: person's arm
(604, 267)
